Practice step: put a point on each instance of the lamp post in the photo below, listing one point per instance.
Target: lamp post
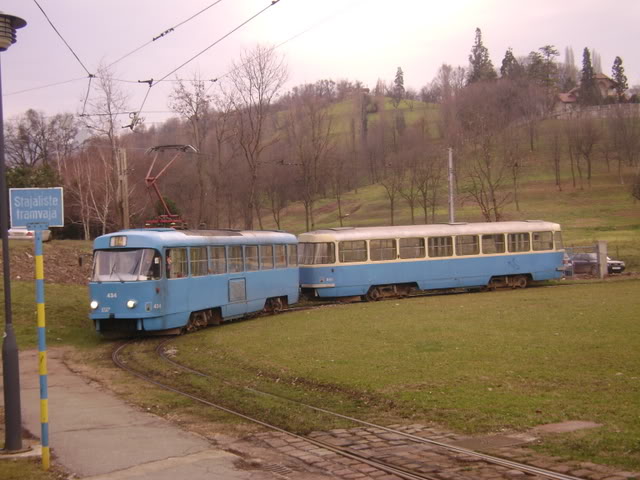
(10, 366)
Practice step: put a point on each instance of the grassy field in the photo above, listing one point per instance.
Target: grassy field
(476, 363)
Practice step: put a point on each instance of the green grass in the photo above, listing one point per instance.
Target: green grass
(475, 363)
(66, 315)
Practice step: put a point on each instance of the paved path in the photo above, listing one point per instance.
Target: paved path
(97, 436)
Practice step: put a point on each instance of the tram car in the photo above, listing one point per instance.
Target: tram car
(372, 262)
(171, 281)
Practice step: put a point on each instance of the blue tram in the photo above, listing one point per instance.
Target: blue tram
(373, 262)
(166, 280)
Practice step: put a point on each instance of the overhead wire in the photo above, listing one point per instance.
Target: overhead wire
(214, 80)
(26, 90)
(62, 38)
(153, 83)
(307, 30)
(164, 33)
(44, 86)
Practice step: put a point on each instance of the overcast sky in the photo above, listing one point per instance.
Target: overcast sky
(354, 39)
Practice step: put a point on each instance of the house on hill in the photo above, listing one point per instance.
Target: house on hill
(568, 102)
(606, 85)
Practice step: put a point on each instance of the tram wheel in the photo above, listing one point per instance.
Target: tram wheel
(276, 305)
(373, 295)
(520, 281)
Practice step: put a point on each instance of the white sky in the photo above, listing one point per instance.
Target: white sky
(354, 39)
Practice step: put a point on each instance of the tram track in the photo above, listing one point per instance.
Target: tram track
(401, 472)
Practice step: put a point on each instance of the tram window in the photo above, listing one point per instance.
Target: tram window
(557, 236)
(199, 263)
(218, 260)
(281, 256)
(251, 258)
(467, 245)
(542, 241)
(126, 265)
(236, 260)
(519, 242)
(382, 250)
(292, 255)
(493, 244)
(317, 253)
(411, 247)
(151, 265)
(440, 246)
(177, 265)
(353, 251)
(266, 257)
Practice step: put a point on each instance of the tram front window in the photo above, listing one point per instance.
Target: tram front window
(132, 265)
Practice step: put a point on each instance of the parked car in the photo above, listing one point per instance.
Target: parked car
(21, 233)
(588, 263)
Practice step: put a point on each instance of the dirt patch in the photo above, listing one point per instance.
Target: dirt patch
(60, 263)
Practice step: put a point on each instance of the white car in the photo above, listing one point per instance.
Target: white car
(21, 233)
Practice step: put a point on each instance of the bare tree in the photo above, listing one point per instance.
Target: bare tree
(624, 126)
(104, 108)
(76, 172)
(309, 133)
(584, 133)
(257, 79)
(556, 155)
(225, 150)
(484, 116)
(192, 103)
(33, 139)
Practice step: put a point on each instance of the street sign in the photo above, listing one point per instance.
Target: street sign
(39, 209)
(29, 206)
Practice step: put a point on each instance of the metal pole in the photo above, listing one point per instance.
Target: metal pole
(42, 352)
(125, 188)
(452, 218)
(10, 363)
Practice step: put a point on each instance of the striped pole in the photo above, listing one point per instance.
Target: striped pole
(42, 352)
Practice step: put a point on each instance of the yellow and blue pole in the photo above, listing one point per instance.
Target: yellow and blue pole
(42, 352)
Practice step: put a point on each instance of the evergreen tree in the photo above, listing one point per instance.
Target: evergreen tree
(549, 68)
(535, 67)
(510, 67)
(481, 67)
(617, 73)
(39, 176)
(398, 88)
(589, 94)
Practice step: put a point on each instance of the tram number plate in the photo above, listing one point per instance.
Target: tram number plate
(112, 295)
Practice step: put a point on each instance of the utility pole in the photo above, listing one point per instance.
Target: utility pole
(123, 187)
(10, 360)
(452, 218)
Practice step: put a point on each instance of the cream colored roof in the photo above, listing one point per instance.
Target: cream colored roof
(434, 230)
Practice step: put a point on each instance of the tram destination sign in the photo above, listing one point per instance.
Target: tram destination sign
(32, 206)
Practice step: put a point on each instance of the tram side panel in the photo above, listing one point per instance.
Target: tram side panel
(342, 280)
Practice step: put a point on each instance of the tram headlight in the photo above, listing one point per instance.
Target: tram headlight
(93, 304)
(132, 303)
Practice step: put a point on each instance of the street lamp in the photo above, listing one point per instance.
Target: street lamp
(10, 365)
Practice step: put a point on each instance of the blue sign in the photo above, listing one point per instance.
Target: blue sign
(29, 206)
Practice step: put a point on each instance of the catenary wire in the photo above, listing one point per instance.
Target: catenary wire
(62, 38)
(274, 2)
(32, 89)
(164, 33)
